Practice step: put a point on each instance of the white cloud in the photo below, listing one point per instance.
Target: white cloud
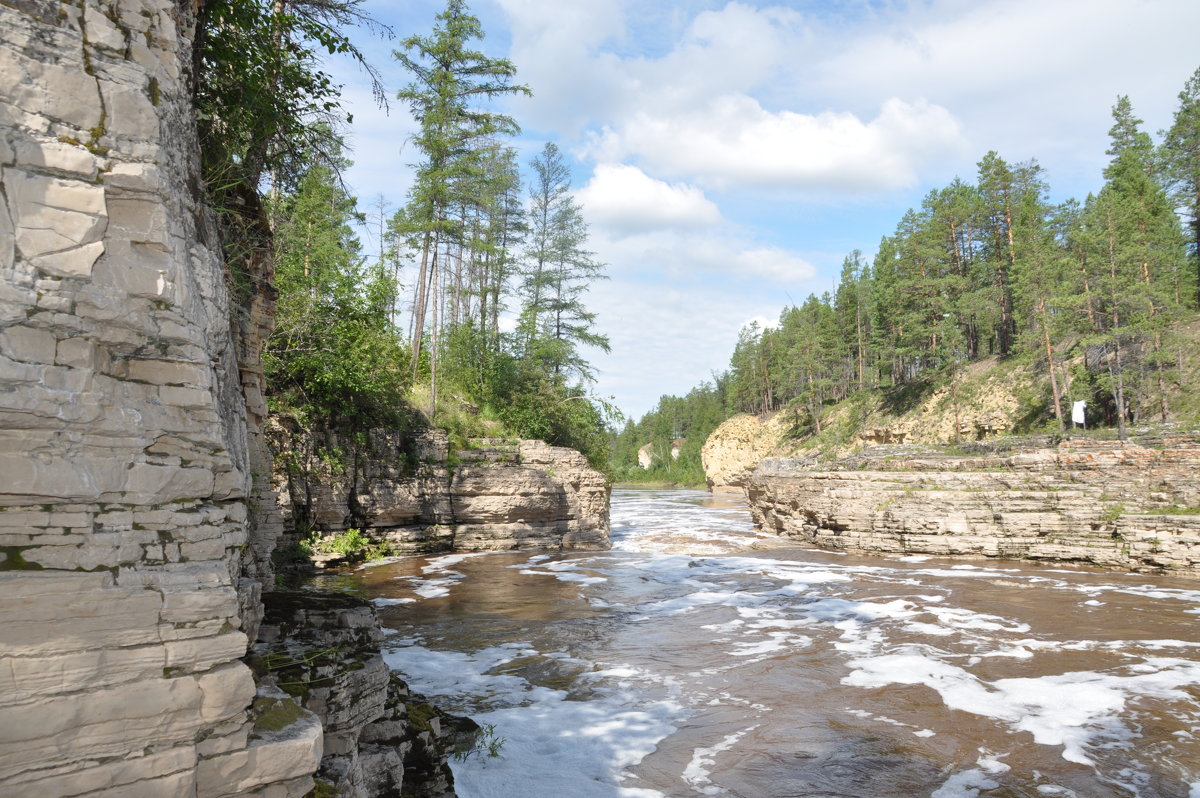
(775, 264)
(1026, 77)
(556, 48)
(735, 142)
(627, 200)
(666, 339)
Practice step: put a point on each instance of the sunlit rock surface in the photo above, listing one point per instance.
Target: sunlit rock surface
(1131, 505)
(126, 598)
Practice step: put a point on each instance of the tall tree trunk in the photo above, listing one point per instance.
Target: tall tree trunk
(417, 320)
(1045, 325)
(433, 342)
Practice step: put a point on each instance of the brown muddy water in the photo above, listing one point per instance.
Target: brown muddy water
(699, 657)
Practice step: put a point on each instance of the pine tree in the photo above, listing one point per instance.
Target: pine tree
(1181, 160)
(450, 80)
(334, 351)
(559, 270)
(998, 191)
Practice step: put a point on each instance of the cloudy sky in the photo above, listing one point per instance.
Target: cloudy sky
(729, 154)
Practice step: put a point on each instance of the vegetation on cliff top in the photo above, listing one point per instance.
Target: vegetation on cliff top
(464, 254)
(1089, 301)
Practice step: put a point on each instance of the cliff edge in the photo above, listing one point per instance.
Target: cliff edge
(128, 587)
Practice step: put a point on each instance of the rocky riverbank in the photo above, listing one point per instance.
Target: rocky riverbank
(416, 493)
(1132, 505)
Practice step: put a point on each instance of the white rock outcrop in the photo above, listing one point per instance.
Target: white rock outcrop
(734, 449)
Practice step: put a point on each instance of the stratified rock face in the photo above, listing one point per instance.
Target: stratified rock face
(734, 449)
(1110, 504)
(124, 457)
(380, 739)
(411, 490)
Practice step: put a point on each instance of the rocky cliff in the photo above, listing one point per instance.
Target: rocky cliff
(134, 543)
(734, 449)
(411, 489)
(1132, 505)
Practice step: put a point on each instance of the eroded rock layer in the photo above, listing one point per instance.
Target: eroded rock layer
(410, 489)
(1119, 505)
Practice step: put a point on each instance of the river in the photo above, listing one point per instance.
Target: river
(700, 657)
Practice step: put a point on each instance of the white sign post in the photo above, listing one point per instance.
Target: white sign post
(1077, 414)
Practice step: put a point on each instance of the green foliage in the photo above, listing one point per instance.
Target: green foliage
(487, 743)
(1180, 158)
(675, 431)
(991, 268)
(351, 544)
(335, 352)
(260, 86)
(554, 322)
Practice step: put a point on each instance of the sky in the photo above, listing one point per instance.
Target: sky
(728, 155)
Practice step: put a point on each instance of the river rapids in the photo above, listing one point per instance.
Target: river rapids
(699, 657)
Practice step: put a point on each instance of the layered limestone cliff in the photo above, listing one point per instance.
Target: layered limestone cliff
(410, 489)
(134, 544)
(125, 450)
(1132, 505)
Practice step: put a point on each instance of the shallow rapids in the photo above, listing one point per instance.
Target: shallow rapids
(699, 657)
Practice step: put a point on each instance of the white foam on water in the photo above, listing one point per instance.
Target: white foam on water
(965, 619)
(550, 745)
(665, 567)
(1073, 710)
(1054, 789)
(566, 576)
(701, 598)
(913, 558)
(436, 588)
(776, 642)
(698, 771)
(440, 577)
(447, 561)
(556, 747)
(969, 783)
(389, 602)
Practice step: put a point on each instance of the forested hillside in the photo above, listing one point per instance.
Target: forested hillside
(415, 332)
(1095, 300)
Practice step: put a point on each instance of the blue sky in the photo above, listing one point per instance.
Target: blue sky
(729, 154)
